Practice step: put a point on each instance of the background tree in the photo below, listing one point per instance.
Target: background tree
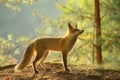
(98, 32)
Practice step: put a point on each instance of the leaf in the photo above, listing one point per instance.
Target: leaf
(35, 13)
(10, 37)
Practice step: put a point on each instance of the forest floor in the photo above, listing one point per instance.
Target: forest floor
(81, 72)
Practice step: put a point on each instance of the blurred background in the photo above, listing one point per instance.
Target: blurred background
(24, 22)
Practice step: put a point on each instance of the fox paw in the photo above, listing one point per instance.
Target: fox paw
(47, 69)
(67, 70)
(36, 72)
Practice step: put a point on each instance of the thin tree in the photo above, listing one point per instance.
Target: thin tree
(97, 26)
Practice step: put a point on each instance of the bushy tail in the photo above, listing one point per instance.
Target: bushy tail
(28, 53)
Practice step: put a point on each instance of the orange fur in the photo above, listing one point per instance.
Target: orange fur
(42, 47)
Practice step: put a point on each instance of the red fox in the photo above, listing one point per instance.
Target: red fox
(42, 46)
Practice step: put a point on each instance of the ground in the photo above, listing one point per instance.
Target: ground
(77, 72)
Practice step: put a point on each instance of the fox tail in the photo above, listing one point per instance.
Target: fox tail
(28, 53)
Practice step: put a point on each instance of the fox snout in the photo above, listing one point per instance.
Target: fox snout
(81, 31)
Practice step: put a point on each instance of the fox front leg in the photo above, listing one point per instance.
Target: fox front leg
(64, 57)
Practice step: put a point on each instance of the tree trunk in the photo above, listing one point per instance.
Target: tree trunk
(98, 32)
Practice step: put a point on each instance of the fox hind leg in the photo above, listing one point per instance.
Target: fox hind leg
(43, 59)
(38, 57)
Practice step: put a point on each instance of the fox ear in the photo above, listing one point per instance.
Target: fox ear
(70, 26)
(76, 25)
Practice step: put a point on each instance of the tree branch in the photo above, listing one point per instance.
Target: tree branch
(13, 49)
(106, 6)
(83, 45)
(64, 6)
(104, 14)
(86, 43)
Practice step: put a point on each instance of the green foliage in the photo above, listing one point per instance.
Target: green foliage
(10, 47)
(111, 32)
(15, 4)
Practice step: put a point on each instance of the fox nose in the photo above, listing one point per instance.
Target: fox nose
(82, 30)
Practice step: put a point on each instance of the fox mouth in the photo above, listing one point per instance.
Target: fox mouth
(81, 31)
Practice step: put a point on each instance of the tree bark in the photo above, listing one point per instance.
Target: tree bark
(97, 26)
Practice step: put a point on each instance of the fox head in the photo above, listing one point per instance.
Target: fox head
(74, 30)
